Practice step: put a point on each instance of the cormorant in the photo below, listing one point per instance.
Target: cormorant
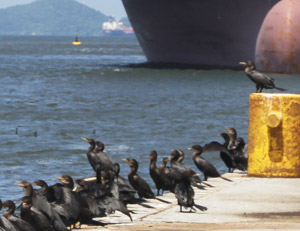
(34, 217)
(239, 156)
(203, 165)
(52, 193)
(73, 202)
(164, 175)
(97, 158)
(137, 182)
(261, 80)
(185, 194)
(161, 180)
(183, 177)
(5, 224)
(85, 191)
(225, 154)
(233, 136)
(164, 163)
(17, 222)
(227, 157)
(102, 198)
(69, 205)
(154, 171)
(182, 170)
(233, 139)
(127, 193)
(40, 202)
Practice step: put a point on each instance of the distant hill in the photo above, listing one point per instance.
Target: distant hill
(51, 17)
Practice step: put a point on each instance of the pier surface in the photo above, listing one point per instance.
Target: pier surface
(246, 203)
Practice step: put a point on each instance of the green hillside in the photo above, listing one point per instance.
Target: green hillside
(51, 17)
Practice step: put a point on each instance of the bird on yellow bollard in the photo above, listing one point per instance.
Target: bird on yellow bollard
(260, 79)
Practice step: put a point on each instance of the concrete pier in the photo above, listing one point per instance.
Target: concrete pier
(246, 203)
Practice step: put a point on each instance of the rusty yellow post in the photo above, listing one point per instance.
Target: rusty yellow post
(274, 135)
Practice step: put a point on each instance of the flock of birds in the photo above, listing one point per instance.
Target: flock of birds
(63, 206)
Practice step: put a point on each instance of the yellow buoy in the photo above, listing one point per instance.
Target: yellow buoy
(274, 135)
(76, 42)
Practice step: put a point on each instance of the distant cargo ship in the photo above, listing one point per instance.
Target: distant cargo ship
(115, 28)
(212, 33)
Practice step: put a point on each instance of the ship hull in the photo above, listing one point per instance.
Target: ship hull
(217, 33)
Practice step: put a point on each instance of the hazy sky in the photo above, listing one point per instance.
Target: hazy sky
(107, 7)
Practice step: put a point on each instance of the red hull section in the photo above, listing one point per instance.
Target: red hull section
(278, 43)
(218, 33)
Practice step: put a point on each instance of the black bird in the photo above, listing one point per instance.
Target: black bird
(102, 198)
(154, 171)
(127, 193)
(184, 177)
(34, 217)
(233, 139)
(225, 154)
(52, 193)
(185, 194)
(40, 202)
(161, 180)
(203, 165)
(17, 222)
(164, 175)
(84, 190)
(239, 155)
(137, 182)
(99, 160)
(75, 203)
(182, 170)
(5, 224)
(233, 136)
(64, 202)
(261, 80)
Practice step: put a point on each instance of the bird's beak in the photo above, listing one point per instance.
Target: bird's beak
(21, 185)
(190, 149)
(90, 179)
(243, 63)
(85, 139)
(61, 179)
(125, 160)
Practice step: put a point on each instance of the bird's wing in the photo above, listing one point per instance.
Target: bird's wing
(214, 146)
(261, 78)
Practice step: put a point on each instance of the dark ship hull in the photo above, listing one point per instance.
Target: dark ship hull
(213, 33)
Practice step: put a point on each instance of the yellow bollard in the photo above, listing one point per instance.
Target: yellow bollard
(274, 135)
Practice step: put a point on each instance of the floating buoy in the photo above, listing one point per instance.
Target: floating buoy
(76, 42)
(278, 43)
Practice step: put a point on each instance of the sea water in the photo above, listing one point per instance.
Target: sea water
(52, 93)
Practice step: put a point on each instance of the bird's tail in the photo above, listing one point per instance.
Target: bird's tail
(200, 207)
(280, 89)
(164, 201)
(224, 178)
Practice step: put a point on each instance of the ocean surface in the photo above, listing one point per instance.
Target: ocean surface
(52, 93)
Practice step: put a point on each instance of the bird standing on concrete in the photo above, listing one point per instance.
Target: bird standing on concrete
(260, 79)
